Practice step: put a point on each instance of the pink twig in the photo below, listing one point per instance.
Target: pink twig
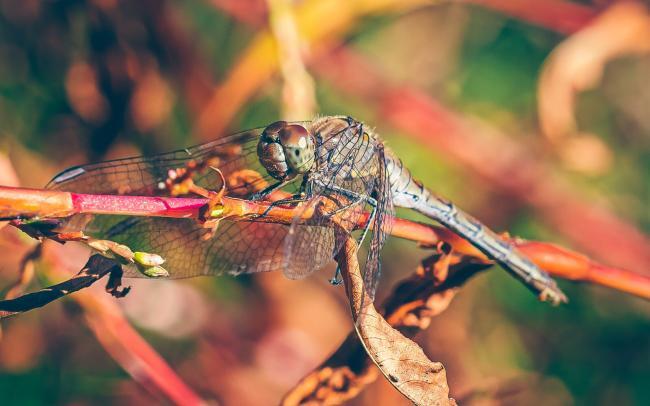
(557, 261)
(104, 318)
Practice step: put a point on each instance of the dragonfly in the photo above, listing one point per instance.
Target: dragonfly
(332, 165)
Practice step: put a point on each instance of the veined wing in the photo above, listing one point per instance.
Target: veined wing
(189, 250)
(146, 175)
(237, 247)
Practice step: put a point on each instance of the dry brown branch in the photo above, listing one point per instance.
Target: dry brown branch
(409, 309)
(96, 268)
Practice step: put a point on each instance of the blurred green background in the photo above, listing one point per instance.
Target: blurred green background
(83, 81)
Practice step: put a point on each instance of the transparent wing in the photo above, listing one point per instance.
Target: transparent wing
(144, 175)
(312, 247)
(188, 250)
(237, 247)
(382, 224)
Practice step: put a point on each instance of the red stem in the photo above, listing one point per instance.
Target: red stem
(557, 261)
(138, 358)
(138, 205)
(104, 318)
(561, 16)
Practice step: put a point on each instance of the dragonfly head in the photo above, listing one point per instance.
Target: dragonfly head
(286, 150)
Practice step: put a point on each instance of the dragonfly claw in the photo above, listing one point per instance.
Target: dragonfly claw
(336, 282)
(553, 295)
(336, 279)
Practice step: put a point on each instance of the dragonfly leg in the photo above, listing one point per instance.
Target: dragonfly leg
(295, 199)
(358, 198)
(336, 279)
(261, 195)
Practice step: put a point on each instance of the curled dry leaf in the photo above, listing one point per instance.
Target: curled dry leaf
(410, 308)
(576, 65)
(401, 360)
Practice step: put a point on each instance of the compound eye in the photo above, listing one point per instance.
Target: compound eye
(294, 135)
(273, 129)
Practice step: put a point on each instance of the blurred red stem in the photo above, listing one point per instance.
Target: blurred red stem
(560, 16)
(103, 316)
(137, 357)
(570, 265)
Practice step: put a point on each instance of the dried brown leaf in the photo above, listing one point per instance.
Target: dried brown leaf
(410, 308)
(401, 360)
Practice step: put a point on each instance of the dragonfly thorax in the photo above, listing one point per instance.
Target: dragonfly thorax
(286, 150)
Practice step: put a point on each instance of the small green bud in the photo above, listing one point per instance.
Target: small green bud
(153, 271)
(147, 260)
(217, 211)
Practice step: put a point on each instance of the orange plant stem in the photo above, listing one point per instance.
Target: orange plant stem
(555, 260)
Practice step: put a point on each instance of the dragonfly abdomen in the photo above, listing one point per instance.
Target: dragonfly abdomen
(409, 193)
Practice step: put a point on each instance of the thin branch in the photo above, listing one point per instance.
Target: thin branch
(298, 98)
(96, 268)
(29, 203)
(259, 62)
